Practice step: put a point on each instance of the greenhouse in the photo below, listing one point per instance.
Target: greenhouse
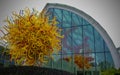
(84, 37)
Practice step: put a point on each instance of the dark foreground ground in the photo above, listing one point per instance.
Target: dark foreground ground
(30, 70)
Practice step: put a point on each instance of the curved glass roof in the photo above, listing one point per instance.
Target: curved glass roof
(80, 38)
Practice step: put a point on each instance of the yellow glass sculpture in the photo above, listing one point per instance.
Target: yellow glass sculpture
(81, 61)
(32, 37)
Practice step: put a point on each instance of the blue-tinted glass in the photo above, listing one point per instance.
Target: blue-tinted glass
(85, 22)
(65, 24)
(100, 61)
(56, 61)
(66, 19)
(88, 38)
(109, 60)
(99, 42)
(66, 41)
(58, 14)
(67, 16)
(77, 43)
(67, 65)
(76, 20)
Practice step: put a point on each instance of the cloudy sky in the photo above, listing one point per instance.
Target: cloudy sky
(105, 12)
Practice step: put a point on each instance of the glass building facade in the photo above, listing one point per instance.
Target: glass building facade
(80, 38)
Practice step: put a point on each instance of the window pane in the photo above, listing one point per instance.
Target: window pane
(99, 42)
(77, 43)
(100, 61)
(66, 41)
(109, 61)
(88, 38)
(57, 60)
(76, 20)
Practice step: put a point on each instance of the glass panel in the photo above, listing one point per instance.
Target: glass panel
(109, 61)
(67, 63)
(99, 43)
(66, 41)
(76, 20)
(57, 60)
(66, 20)
(67, 16)
(58, 14)
(77, 43)
(88, 38)
(65, 24)
(100, 61)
